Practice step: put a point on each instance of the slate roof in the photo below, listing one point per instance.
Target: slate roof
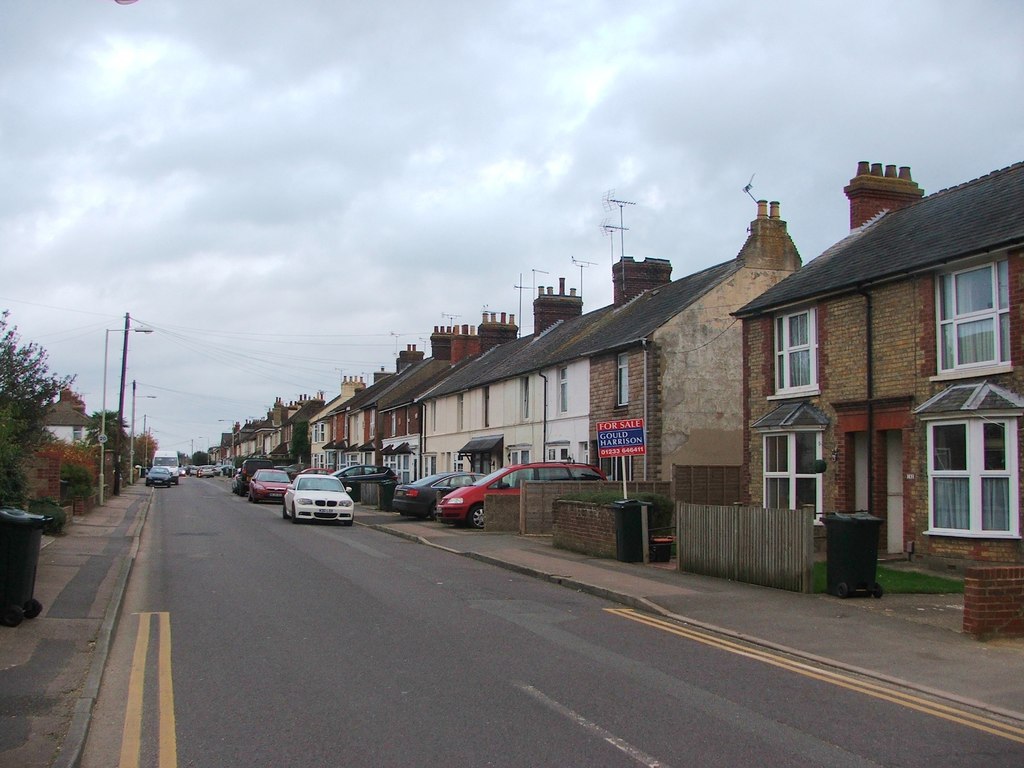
(983, 396)
(795, 414)
(603, 330)
(973, 218)
(64, 414)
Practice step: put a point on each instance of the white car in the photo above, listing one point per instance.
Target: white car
(317, 497)
(208, 470)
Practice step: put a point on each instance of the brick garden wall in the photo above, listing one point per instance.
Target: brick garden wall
(43, 474)
(586, 528)
(994, 601)
(501, 513)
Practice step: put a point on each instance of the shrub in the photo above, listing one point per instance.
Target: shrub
(78, 479)
(661, 514)
(51, 509)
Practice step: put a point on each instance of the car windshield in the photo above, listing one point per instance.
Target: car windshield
(487, 479)
(318, 483)
(271, 476)
(430, 479)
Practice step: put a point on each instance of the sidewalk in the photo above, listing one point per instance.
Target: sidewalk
(912, 640)
(50, 666)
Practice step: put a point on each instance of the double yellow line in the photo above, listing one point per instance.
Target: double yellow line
(936, 709)
(131, 741)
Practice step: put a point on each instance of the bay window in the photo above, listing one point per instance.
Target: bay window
(790, 477)
(973, 477)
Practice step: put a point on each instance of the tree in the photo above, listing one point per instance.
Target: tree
(27, 388)
(299, 447)
(200, 458)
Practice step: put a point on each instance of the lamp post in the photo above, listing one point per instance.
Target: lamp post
(131, 450)
(120, 410)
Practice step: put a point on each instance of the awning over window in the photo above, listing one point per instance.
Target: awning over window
(336, 445)
(485, 444)
(792, 415)
(367, 447)
(971, 397)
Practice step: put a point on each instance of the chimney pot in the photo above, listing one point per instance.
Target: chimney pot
(863, 168)
(503, 318)
(540, 290)
(561, 286)
(762, 209)
(905, 173)
(876, 169)
(774, 209)
(890, 171)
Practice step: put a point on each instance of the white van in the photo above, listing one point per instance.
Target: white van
(168, 459)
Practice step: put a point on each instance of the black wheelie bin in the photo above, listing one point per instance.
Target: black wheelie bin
(21, 534)
(852, 551)
(629, 536)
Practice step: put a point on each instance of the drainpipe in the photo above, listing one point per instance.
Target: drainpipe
(643, 342)
(544, 432)
(870, 387)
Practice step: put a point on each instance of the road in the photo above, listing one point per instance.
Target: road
(248, 641)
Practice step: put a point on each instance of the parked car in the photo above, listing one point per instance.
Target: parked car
(268, 484)
(207, 470)
(317, 497)
(160, 476)
(419, 498)
(248, 469)
(372, 473)
(237, 487)
(466, 505)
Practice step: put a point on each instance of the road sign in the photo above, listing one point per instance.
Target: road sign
(101, 439)
(624, 437)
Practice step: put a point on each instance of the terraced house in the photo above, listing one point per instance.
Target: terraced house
(886, 375)
(665, 351)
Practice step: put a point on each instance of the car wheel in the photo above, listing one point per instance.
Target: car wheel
(295, 518)
(347, 523)
(251, 499)
(475, 518)
(432, 512)
(284, 511)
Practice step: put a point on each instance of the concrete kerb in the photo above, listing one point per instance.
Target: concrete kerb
(644, 604)
(73, 745)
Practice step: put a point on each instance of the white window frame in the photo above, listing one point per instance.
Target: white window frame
(776, 473)
(524, 398)
(563, 389)
(622, 379)
(975, 473)
(786, 351)
(950, 320)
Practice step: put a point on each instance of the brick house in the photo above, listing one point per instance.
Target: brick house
(886, 374)
(666, 351)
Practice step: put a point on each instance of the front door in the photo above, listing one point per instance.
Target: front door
(894, 490)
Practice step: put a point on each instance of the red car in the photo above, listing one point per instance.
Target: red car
(268, 485)
(466, 505)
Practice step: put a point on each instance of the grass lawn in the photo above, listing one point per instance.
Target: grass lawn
(898, 581)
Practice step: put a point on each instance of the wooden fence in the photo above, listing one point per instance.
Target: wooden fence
(770, 547)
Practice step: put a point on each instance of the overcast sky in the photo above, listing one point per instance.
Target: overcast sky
(289, 192)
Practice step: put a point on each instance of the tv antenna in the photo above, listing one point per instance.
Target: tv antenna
(609, 201)
(451, 318)
(750, 186)
(582, 265)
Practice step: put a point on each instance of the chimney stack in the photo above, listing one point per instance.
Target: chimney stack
(631, 278)
(441, 343)
(550, 307)
(494, 331)
(871, 191)
(769, 245)
(465, 343)
(407, 357)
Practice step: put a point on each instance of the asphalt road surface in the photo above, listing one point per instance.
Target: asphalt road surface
(246, 640)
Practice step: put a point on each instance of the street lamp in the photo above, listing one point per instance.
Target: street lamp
(131, 450)
(120, 410)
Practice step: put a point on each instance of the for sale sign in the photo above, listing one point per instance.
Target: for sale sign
(624, 437)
